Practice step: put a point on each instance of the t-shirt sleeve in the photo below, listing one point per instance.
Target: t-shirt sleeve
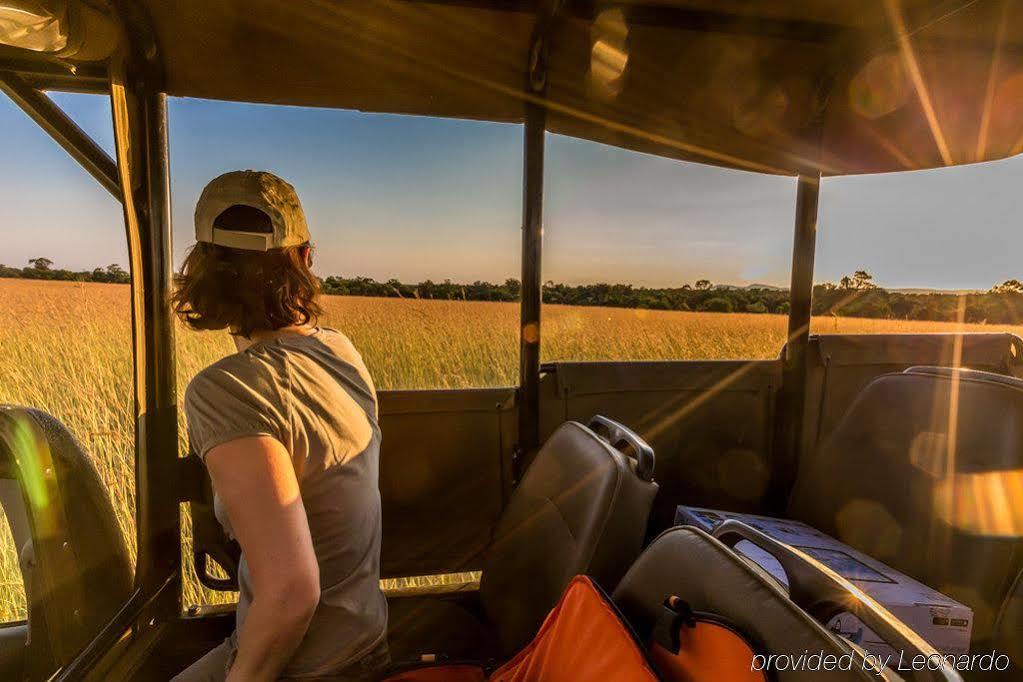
(226, 403)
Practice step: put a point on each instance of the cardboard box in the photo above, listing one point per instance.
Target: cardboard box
(941, 621)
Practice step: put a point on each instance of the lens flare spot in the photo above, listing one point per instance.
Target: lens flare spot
(988, 503)
(609, 56)
(531, 332)
(880, 87)
(869, 527)
(31, 454)
(763, 115)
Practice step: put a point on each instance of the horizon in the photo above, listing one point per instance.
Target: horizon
(713, 285)
(440, 199)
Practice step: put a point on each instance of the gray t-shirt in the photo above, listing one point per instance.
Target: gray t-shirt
(313, 394)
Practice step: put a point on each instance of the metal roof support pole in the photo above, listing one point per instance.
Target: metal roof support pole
(140, 133)
(64, 131)
(792, 402)
(532, 238)
(529, 331)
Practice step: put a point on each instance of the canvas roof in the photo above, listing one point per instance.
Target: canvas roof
(846, 86)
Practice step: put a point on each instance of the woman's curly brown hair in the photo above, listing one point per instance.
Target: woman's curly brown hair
(245, 291)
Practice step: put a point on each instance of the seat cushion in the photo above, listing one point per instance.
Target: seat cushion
(449, 625)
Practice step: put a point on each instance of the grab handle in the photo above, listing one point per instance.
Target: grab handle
(823, 594)
(624, 440)
(210, 544)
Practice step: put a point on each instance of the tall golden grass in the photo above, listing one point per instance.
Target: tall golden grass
(66, 349)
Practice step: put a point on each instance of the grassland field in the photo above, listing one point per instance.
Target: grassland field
(65, 348)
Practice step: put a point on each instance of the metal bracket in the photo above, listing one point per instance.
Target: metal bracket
(539, 47)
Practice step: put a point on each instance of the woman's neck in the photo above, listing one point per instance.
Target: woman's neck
(259, 336)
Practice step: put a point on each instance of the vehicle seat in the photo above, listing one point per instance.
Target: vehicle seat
(75, 563)
(714, 579)
(925, 473)
(581, 508)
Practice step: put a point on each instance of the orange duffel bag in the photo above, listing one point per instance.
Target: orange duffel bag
(585, 639)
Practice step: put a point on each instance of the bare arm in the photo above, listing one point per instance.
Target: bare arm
(255, 479)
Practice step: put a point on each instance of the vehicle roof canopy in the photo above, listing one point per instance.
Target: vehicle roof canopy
(851, 86)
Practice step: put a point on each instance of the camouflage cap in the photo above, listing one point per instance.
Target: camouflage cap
(282, 223)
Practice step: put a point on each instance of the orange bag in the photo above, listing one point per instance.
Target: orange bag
(447, 672)
(583, 639)
(694, 647)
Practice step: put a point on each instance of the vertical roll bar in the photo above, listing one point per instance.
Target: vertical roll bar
(792, 401)
(803, 251)
(532, 235)
(140, 134)
(532, 241)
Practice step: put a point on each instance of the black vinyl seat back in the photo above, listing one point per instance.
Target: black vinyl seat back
(76, 567)
(714, 579)
(581, 508)
(924, 472)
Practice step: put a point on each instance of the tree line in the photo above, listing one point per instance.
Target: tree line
(42, 268)
(855, 295)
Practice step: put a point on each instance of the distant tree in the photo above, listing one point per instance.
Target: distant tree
(863, 280)
(756, 307)
(718, 304)
(903, 308)
(396, 287)
(115, 273)
(40, 263)
(859, 280)
(1009, 286)
(702, 285)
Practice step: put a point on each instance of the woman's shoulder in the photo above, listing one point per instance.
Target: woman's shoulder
(339, 343)
(235, 373)
(343, 348)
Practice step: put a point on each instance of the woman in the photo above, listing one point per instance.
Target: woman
(287, 428)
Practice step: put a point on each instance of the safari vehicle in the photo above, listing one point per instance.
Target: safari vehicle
(727, 434)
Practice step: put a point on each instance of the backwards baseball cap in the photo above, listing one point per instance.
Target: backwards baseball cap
(251, 210)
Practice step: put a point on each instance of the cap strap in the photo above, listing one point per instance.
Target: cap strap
(250, 241)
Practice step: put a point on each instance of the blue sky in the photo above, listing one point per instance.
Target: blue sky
(417, 198)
